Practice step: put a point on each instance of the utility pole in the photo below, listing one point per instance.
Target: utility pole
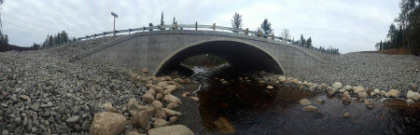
(115, 16)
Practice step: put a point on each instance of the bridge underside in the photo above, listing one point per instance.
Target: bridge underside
(238, 54)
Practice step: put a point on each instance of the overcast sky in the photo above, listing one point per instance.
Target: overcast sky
(350, 25)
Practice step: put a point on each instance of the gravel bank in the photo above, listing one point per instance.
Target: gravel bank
(42, 93)
(372, 70)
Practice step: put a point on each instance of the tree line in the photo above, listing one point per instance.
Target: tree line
(4, 39)
(266, 29)
(406, 33)
(54, 40)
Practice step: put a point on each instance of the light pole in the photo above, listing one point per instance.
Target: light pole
(115, 16)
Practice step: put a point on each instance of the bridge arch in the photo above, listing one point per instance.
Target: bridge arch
(236, 52)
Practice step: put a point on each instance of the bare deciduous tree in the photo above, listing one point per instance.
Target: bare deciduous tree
(285, 34)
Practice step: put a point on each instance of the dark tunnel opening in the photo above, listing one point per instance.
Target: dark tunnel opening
(237, 54)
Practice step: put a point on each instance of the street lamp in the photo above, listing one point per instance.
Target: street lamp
(115, 16)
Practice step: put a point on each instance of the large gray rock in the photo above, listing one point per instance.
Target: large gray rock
(171, 130)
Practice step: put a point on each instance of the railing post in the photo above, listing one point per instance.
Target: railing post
(214, 26)
(196, 25)
(246, 31)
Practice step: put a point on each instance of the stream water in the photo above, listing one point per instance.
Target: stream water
(248, 107)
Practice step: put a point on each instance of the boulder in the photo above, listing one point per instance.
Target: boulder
(224, 126)
(346, 115)
(157, 103)
(337, 85)
(173, 120)
(358, 89)
(160, 123)
(172, 105)
(330, 91)
(310, 108)
(159, 96)
(171, 99)
(394, 93)
(180, 87)
(346, 99)
(342, 90)
(163, 84)
(383, 93)
(171, 130)
(160, 113)
(347, 87)
(195, 99)
(282, 78)
(324, 86)
(170, 113)
(320, 101)
(142, 119)
(148, 98)
(144, 70)
(376, 92)
(387, 94)
(362, 95)
(133, 105)
(225, 83)
(313, 87)
(107, 123)
(270, 87)
(409, 101)
(169, 89)
(158, 89)
(151, 92)
(304, 102)
(413, 95)
(108, 106)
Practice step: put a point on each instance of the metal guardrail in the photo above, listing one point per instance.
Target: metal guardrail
(183, 27)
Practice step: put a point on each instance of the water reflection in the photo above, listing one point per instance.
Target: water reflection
(251, 108)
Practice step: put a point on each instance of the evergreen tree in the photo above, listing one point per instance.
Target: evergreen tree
(266, 27)
(237, 21)
(150, 26)
(51, 41)
(309, 42)
(302, 40)
(162, 22)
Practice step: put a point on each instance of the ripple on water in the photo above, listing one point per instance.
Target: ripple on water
(253, 109)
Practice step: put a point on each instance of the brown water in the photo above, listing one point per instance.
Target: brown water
(253, 109)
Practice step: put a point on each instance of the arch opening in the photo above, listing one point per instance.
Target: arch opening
(237, 54)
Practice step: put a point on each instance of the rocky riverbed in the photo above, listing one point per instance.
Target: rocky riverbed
(43, 93)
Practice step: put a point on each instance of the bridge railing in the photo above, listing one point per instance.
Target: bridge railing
(183, 27)
(196, 26)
